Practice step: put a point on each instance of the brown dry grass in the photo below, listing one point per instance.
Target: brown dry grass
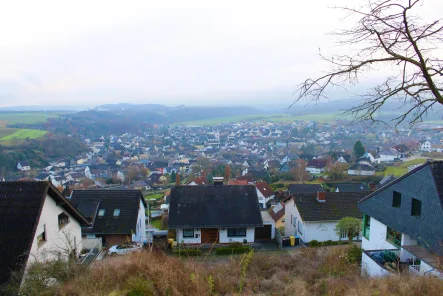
(320, 271)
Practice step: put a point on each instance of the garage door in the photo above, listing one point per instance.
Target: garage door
(263, 233)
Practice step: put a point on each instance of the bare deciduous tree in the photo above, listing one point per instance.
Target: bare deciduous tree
(388, 33)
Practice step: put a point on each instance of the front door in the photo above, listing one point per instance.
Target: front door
(209, 235)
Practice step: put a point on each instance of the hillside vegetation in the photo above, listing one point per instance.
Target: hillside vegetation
(22, 134)
(307, 271)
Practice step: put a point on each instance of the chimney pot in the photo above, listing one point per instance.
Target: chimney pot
(321, 195)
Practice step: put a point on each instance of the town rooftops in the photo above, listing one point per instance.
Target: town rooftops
(214, 206)
(265, 189)
(304, 188)
(21, 204)
(99, 206)
(337, 206)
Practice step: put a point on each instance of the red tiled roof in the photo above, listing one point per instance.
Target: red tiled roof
(264, 188)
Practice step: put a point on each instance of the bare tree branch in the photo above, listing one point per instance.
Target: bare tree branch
(389, 35)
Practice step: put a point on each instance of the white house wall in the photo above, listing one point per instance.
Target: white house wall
(57, 240)
(224, 239)
(377, 237)
(361, 173)
(320, 231)
(195, 240)
(140, 234)
(371, 268)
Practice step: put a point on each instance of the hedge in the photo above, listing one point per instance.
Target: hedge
(315, 243)
(230, 250)
(187, 252)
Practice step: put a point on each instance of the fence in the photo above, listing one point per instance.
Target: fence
(278, 237)
(94, 245)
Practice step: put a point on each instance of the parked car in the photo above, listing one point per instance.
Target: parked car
(124, 248)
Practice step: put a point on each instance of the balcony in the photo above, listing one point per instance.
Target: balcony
(394, 240)
(393, 237)
(92, 248)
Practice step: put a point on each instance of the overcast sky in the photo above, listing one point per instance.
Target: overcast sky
(170, 52)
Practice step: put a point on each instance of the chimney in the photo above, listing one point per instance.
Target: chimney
(218, 181)
(321, 195)
(177, 179)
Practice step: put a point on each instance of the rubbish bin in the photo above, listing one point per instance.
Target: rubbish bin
(292, 240)
(285, 241)
(170, 243)
(297, 240)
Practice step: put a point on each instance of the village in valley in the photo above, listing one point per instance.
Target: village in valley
(221, 148)
(235, 187)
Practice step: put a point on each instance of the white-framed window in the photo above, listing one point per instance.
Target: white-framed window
(116, 212)
(101, 212)
(236, 232)
(63, 219)
(188, 232)
(41, 238)
(343, 235)
(300, 227)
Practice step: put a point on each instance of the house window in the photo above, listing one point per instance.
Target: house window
(366, 226)
(236, 232)
(393, 236)
(188, 233)
(116, 212)
(101, 212)
(63, 219)
(396, 199)
(300, 227)
(343, 235)
(41, 238)
(416, 207)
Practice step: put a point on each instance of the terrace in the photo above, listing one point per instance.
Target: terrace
(407, 256)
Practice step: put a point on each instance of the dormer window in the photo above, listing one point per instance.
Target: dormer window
(101, 212)
(63, 219)
(116, 212)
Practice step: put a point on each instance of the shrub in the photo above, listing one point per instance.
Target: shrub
(354, 254)
(314, 243)
(187, 252)
(139, 287)
(230, 250)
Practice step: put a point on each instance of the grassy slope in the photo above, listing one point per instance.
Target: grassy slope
(402, 168)
(27, 117)
(7, 131)
(306, 271)
(23, 134)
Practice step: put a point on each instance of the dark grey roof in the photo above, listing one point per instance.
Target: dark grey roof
(214, 206)
(424, 183)
(352, 187)
(361, 167)
(20, 207)
(338, 205)
(89, 202)
(304, 188)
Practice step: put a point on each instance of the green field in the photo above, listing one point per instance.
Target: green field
(21, 134)
(282, 118)
(27, 117)
(7, 131)
(402, 168)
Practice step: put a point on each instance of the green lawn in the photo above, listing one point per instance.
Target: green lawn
(156, 196)
(22, 134)
(157, 223)
(401, 169)
(27, 117)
